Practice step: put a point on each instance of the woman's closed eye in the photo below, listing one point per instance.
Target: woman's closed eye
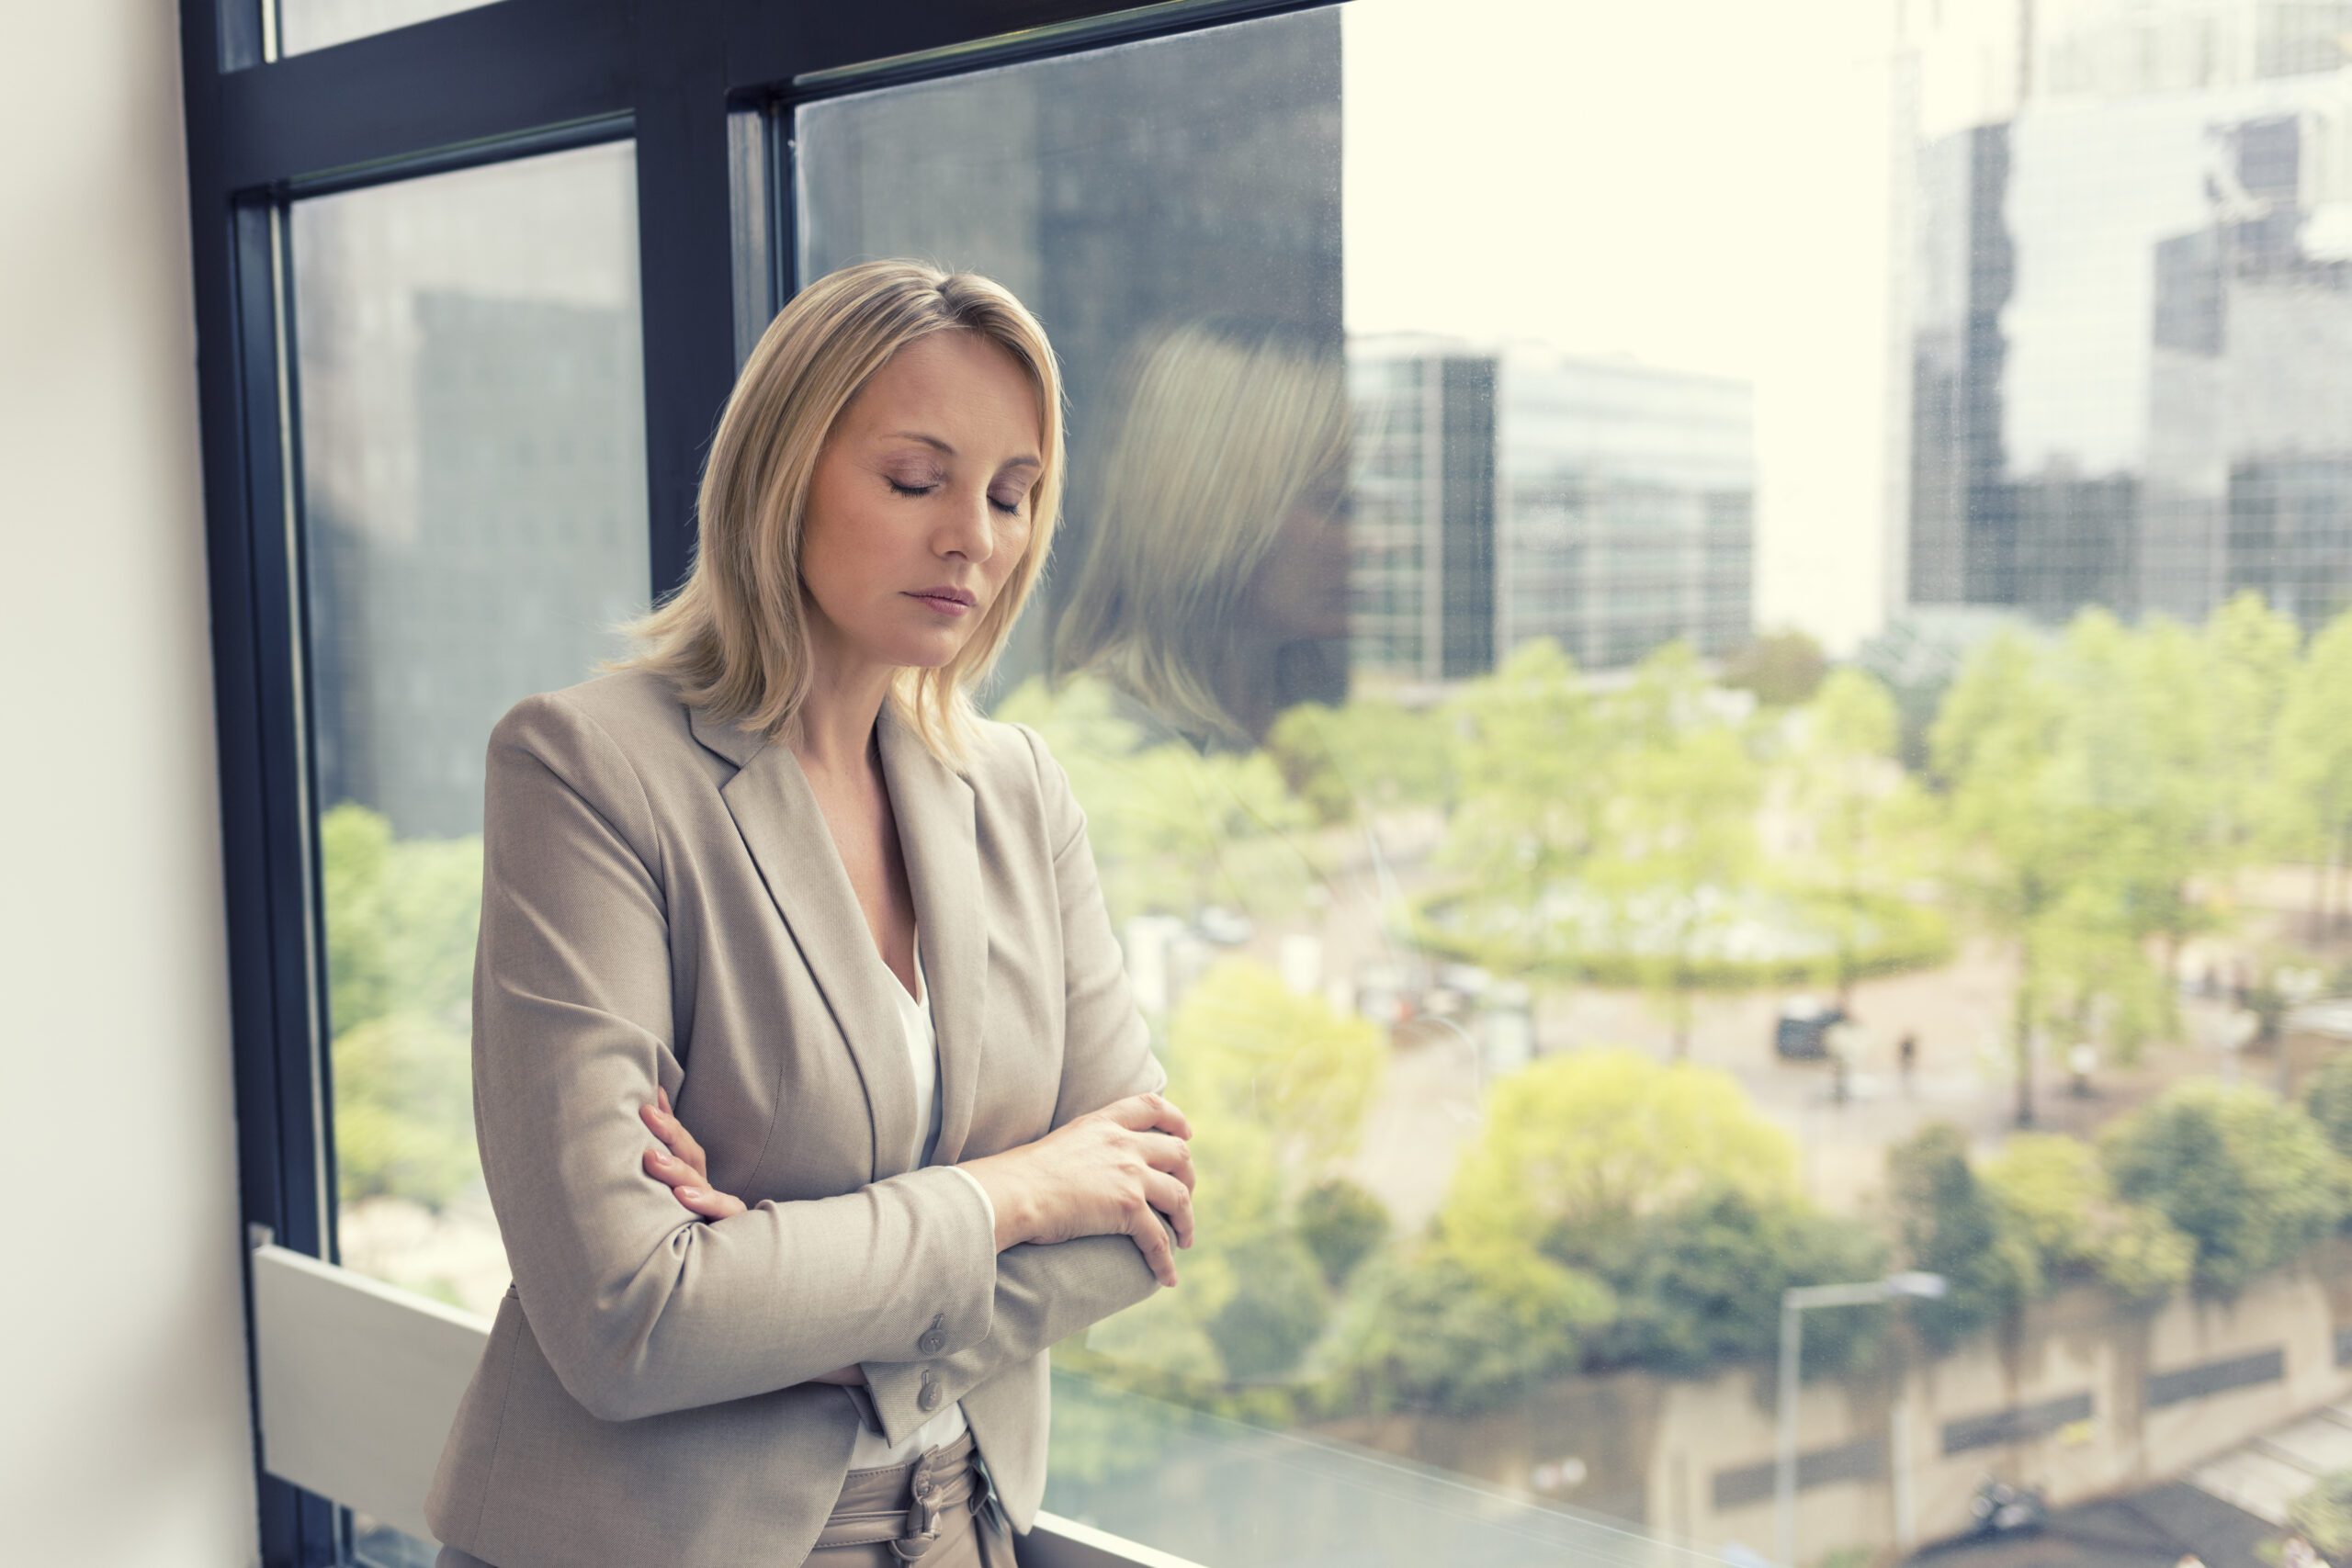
(1010, 510)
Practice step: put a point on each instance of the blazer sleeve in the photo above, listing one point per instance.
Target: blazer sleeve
(640, 1306)
(1047, 1291)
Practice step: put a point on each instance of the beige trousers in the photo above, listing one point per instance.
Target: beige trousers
(936, 1510)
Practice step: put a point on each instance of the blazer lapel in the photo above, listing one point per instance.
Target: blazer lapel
(784, 827)
(932, 803)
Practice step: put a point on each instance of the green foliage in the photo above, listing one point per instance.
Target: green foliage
(1680, 823)
(2323, 1516)
(1245, 1047)
(1949, 1223)
(1700, 1286)
(2082, 811)
(2054, 1192)
(403, 1111)
(2250, 653)
(1870, 823)
(1370, 754)
(1276, 1086)
(2327, 1100)
(2252, 1182)
(1465, 1328)
(1341, 1225)
(401, 922)
(1534, 784)
(1578, 1148)
(2310, 800)
(1172, 829)
(1276, 1310)
(400, 919)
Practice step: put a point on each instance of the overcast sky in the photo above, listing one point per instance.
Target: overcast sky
(1701, 184)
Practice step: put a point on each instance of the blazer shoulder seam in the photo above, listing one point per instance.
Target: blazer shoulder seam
(660, 867)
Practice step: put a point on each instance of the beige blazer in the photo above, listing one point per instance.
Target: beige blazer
(663, 902)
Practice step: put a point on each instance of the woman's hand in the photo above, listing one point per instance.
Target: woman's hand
(682, 1163)
(1110, 1172)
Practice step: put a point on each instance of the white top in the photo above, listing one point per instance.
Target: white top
(922, 1060)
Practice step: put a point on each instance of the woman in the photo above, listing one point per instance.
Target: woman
(734, 889)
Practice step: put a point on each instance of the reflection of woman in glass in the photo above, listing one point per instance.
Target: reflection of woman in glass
(1214, 594)
(813, 1102)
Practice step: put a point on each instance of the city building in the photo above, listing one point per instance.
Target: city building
(1506, 493)
(2126, 307)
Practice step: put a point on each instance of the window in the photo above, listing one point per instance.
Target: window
(1704, 651)
(473, 497)
(314, 24)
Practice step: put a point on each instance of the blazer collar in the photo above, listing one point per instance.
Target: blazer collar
(777, 811)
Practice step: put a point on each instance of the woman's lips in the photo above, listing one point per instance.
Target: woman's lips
(942, 604)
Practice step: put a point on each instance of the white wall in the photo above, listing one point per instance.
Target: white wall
(123, 1431)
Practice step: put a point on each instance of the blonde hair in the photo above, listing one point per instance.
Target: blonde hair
(734, 638)
(1228, 421)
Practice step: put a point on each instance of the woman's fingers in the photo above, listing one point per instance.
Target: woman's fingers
(710, 1206)
(1173, 1198)
(673, 1132)
(1148, 1112)
(1171, 1154)
(690, 1185)
(1152, 1237)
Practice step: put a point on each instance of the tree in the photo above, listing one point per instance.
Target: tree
(401, 918)
(1948, 1224)
(1370, 754)
(1341, 1225)
(2250, 1181)
(1578, 1148)
(2327, 1100)
(2020, 840)
(2052, 1191)
(1681, 827)
(1276, 1086)
(2250, 654)
(1464, 1328)
(1174, 829)
(1245, 1047)
(1867, 821)
(1533, 785)
(403, 1111)
(2311, 765)
(2137, 757)
(1701, 1285)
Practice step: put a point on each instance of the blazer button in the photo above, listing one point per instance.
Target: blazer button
(929, 1396)
(934, 1338)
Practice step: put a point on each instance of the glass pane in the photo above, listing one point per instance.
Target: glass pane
(473, 492)
(1704, 648)
(314, 24)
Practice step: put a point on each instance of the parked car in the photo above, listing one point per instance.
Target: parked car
(1802, 1032)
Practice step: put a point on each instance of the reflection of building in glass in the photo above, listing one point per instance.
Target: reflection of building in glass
(527, 538)
(1116, 192)
(1505, 495)
(2129, 312)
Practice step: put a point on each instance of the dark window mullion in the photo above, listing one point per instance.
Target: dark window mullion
(685, 226)
(478, 77)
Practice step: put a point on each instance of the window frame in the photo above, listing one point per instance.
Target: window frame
(705, 88)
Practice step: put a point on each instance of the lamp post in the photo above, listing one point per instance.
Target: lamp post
(1793, 1301)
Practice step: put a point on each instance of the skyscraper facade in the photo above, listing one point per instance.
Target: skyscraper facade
(2128, 293)
(1508, 493)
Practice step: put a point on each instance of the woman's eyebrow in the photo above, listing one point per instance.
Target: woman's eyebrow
(934, 441)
